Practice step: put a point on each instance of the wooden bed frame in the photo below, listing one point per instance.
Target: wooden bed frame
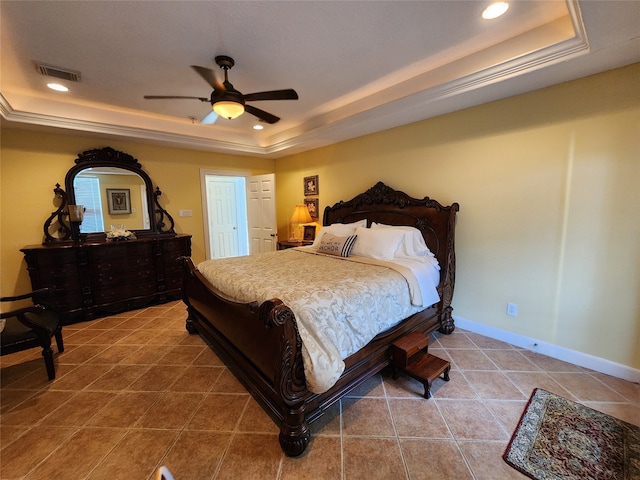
(260, 344)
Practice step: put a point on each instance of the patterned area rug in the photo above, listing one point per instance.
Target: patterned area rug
(560, 439)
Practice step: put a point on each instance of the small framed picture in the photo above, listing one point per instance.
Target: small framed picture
(311, 186)
(119, 201)
(312, 205)
(309, 233)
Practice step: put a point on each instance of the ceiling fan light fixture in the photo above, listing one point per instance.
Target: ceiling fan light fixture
(228, 109)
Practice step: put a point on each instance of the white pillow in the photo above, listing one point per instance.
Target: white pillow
(339, 230)
(379, 243)
(413, 243)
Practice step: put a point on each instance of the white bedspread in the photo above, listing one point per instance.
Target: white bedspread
(340, 304)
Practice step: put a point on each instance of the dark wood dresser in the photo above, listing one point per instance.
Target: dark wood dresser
(97, 278)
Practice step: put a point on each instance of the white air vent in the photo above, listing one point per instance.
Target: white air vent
(58, 72)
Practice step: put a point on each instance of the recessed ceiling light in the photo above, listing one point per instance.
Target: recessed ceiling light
(495, 10)
(57, 87)
(257, 126)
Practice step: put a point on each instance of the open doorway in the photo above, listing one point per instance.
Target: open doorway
(239, 213)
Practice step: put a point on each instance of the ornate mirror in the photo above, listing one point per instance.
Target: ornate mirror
(109, 190)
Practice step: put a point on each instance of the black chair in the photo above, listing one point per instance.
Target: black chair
(31, 327)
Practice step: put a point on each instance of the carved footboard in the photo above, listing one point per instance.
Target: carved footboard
(261, 346)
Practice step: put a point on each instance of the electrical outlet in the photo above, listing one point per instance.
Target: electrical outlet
(512, 309)
(185, 213)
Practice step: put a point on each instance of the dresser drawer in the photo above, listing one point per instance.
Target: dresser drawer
(119, 292)
(119, 250)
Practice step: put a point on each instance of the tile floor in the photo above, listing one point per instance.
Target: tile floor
(135, 391)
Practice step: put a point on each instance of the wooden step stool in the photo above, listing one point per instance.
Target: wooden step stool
(409, 355)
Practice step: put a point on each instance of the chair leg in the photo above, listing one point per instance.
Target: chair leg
(59, 341)
(47, 353)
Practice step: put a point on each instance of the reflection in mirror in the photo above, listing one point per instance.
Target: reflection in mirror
(101, 190)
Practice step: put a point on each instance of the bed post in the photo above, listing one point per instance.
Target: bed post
(446, 319)
(289, 378)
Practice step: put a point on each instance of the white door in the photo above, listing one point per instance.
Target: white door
(261, 206)
(226, 216)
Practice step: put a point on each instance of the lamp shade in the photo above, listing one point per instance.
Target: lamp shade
(301, 215)
(228, 109)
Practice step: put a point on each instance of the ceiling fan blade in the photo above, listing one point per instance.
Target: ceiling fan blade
(261, 114)
(163, 97)
(210, 77)
(288, 94)
(210, 118)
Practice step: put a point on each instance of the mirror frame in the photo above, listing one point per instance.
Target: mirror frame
(160, 222)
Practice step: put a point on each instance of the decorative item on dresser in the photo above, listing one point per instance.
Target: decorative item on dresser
(93, 274)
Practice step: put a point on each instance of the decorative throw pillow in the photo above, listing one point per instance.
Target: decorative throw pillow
(339, 229)
(339, 246)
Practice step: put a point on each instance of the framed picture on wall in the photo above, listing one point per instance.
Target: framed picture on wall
(311, 186)
(119, 201)
(312, 205)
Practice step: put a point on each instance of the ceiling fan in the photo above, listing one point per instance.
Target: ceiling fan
(228, 102)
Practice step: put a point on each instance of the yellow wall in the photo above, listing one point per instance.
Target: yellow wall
(31, 163)
(549, 191)
(547, 183)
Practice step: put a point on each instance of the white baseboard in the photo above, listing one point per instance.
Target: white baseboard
(585, 360)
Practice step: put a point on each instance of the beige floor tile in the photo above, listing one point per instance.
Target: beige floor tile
(550, 364)
(251, 456)
(158, 378)
(527, 382)
(631, 391)
(196, 455)
(220, 412)
(124, 410)
(119, 377)
(511, 360)
(586, 388)
(255, 420)
(366, 416)
(470, 359)
(322, 460)
(79, 454)
(434, 460)
(78, 354)
(113, 354)
(455, 340)
(34, 408)
(493, 385)
(197, 379)
(181, 355)
(22, 456)
(485, 460)
(135, 456)
(470, 420)
(82, 376)
(170, 411)
(507, 412)
(488, 343)
(418, 418)
(227, 383)
(79, 409)
(358, 455)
